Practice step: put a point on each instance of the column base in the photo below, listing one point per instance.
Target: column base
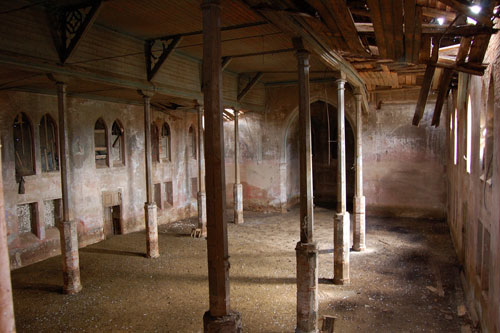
(152, 247)
(202, 215)
(238, 203)
(307, 287)
(224, 324)
(71, 260)
(341, 237)
(359, 233)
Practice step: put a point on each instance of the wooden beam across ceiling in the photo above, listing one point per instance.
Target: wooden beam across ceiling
(249, 86)
(465, 9)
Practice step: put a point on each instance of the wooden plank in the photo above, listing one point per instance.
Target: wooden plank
(444, 86)
(434, 13)
(397, 29)
(249, 86)
(387, 26)
(426, 85)
(463, 50)
(409, 17)
(425, 50)
(417, 35)
(338, 41)
(378, 27)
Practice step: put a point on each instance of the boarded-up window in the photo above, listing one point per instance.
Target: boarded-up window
(165, 143)
(157, 195)
(101, 144)
(155, 144)
(192, 142)
(23, 146)
(52, 213)
(194, 187)
(48, 144)
(117, 144)
(27, 218)
(169, 191)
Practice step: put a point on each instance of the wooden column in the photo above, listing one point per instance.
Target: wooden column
(7, 323)
(152, 248)
(307, 248)
(238, 187)
(202, 197)
(359, 199)
(342, 220)
(219, 318)
(67, 228)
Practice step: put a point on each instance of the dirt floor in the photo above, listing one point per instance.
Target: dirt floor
(406, 281)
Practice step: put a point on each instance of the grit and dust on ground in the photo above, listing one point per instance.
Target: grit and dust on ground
(406, 280)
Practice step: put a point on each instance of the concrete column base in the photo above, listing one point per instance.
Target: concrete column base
(238, 203)
(307, 287)
(224, 324)
(202, 213)
(153, 250)
(359, 224)
(341, 236)
(71, 260)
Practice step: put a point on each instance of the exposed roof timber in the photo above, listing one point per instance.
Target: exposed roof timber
(434, 29)
(227, 28)
(465, 9)
(426, 86)
(296, 26)
(249, 86)
(378, 27)
(243, 55)
(468, 68)
(434, 12)
(444, 86)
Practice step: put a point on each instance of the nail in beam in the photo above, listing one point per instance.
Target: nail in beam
(359, 198)
(307, 248)
(67, 229)
(149, 206)
(341, 228)
(7, 323)
(219, 318)
(238, 187)
(202, 197)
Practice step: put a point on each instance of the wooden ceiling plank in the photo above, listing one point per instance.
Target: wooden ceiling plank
(387, 27)
(397, 29)
(409, 17)
(417, 35)
(378, 27)
(444, 86)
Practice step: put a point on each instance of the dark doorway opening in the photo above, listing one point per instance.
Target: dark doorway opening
(112, 221)
(324, 149)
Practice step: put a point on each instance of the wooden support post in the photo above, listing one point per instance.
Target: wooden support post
(219, 317)
(7, 323)
(426, 86)
(68, 232)
(307, 248)
(359, 198)
(202, 197)
(342, 220)
(238, 187)
(152, 248)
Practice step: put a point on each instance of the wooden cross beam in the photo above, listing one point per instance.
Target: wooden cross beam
(249, 86)
(154, 63)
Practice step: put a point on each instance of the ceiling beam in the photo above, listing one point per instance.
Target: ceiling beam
(226, 28)
(244, 55)
(465, 9)
(154, 63)
(426, 86)
(444, 86)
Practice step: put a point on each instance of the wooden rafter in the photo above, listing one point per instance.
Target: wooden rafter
(465, 9)
(444, 86)
(378, 27)
(71, 24)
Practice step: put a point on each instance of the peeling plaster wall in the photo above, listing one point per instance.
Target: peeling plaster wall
(473, 205)
(403, 165)
(86, 181)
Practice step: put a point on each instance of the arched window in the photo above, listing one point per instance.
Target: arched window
(192, 142)
(48, 144)
(165, 141)
(155, 144)
(101, 143)
(117, 144)
(23, 146)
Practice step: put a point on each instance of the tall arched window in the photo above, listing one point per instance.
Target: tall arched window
(165, 143)
(155, 144)
(117, 144)
(23, 146)
(192, 142)
(48, 144)
(101, 143)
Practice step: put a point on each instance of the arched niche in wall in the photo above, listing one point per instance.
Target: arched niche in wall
(48, 144)
(23, 145)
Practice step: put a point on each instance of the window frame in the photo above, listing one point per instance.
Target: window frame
(168, 144)
(106, 140)
(56, 159)
(121, 139)
(29, 171)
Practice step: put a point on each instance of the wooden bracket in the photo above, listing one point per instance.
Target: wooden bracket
(70, 24)
(249, 86)
(154, 61)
